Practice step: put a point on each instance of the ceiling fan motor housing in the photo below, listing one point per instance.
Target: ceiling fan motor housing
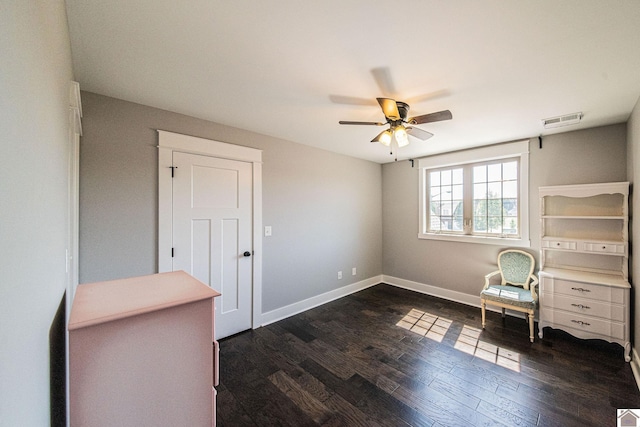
(403, 109)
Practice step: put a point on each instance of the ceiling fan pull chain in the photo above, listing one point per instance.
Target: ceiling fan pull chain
(394, 147)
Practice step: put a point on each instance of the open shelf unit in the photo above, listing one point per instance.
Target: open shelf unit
(584, 261)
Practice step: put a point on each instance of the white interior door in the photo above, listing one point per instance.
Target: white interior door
(212, 232)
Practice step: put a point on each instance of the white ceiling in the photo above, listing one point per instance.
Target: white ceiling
(277, 66)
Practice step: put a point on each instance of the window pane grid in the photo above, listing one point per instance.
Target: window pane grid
(474, 170)
(490, 204)
(446, 190)
(495, 196)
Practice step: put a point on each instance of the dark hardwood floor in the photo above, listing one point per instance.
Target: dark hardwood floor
(391, 357)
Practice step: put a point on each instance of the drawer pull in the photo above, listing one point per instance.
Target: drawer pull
(581, 289)
(581, 323)
(604, 247)
(580, 306)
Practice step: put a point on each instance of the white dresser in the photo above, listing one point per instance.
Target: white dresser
(584, 257)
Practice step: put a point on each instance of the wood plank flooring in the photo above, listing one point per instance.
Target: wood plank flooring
(391, 357)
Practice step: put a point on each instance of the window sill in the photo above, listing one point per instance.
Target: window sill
(498, 241)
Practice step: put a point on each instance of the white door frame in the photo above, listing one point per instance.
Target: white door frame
(73, 212)
(168, 142)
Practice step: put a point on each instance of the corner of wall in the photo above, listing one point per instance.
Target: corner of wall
(635, 367)
(633, 175)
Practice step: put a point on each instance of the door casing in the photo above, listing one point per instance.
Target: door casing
(168, 142)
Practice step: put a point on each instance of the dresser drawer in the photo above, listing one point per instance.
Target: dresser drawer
(582, 306)
(560, 244)
(586, 323)
(604, 248)
(583, 290)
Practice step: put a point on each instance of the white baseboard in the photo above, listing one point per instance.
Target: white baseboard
(309, 303)
(298, 307)
(473, 300)
(635, 366)
(435, 291)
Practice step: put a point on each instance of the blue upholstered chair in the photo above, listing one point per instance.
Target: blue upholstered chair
(517, 289)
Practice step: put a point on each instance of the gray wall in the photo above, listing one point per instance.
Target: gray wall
(592, 155)
(325, 208)
(34, 105)
(633, 175)
(327, 211)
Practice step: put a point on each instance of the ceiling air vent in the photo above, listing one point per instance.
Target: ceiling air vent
(566, 120)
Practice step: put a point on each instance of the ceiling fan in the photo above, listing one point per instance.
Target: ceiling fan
(395, 113)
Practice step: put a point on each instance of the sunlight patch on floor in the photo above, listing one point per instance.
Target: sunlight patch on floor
(426, 324)
(469, 342)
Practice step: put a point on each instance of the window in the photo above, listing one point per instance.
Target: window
(495, 199)
(446, 192)
(478, 195)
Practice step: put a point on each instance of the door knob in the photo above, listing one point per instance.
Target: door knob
(246, 253)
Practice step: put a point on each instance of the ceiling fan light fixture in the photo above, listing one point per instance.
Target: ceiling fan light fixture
(384, 137)
(400, 134)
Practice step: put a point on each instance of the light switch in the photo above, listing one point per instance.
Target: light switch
(267, 230)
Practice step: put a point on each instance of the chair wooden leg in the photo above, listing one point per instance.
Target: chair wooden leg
(483, 307)
(503, 311)
(531, 326)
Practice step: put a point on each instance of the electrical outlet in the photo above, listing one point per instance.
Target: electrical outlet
(353, 271)
(339, 275)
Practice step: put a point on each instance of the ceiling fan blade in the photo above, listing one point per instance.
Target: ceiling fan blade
(351, 100)
(347, 122)
(430, 118)
(419, 133)
(427, 96)
(382, 76)
(389, 108)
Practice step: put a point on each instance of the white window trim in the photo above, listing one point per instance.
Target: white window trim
(493, 152)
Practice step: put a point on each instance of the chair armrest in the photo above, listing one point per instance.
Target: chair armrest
(488, 277)
(533, 285)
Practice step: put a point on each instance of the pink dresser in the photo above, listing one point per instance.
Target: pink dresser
(141, 354)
